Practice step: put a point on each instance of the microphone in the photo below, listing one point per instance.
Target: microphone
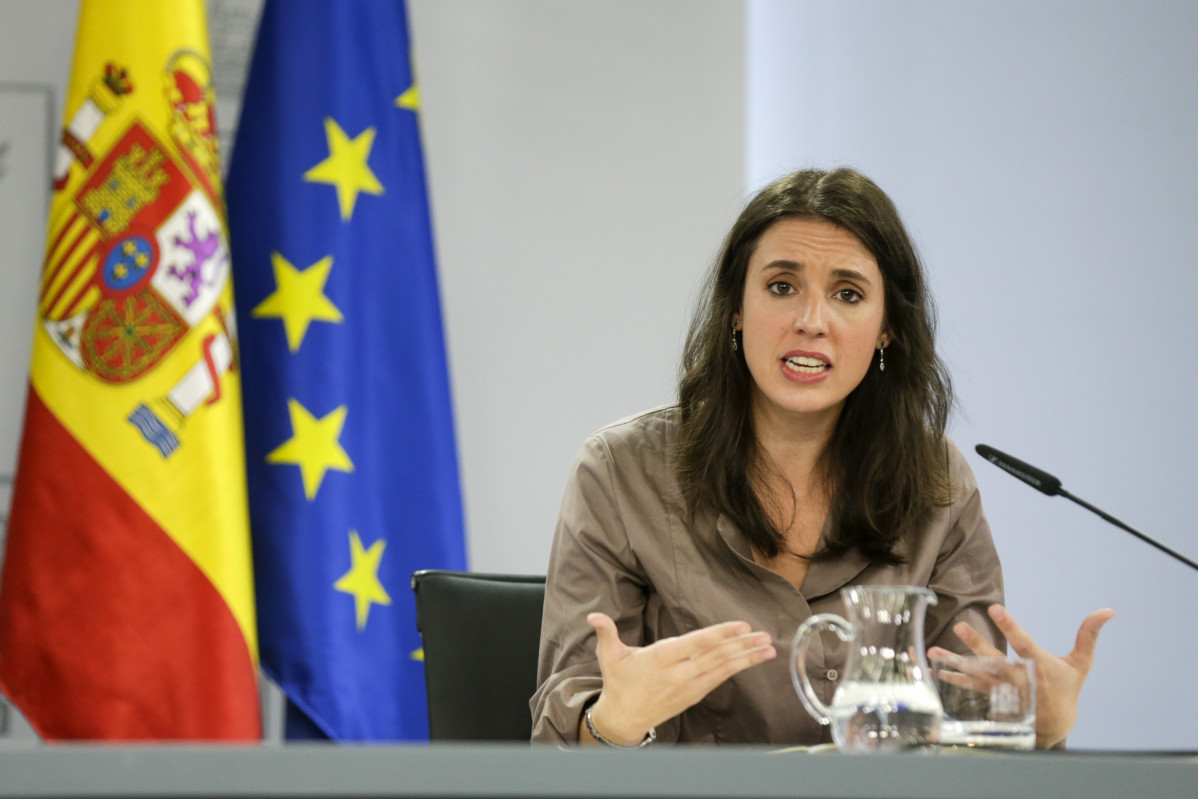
(1045, 483)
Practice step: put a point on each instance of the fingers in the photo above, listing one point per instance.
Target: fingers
(697, 642)
(700, 675)
(700, 651)
(1023, 644)
(603, 624)
(1087, 636)
(713, 654)
(942, 653)
(609, 646)
(977, 642)
(966, 682)
(732, 655)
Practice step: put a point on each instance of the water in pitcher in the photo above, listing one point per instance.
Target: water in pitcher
(883, 717)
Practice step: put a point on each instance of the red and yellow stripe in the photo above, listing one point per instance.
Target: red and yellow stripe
(126, 602)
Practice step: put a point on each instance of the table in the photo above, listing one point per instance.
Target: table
(506, 770)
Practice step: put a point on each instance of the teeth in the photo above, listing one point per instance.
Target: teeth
(806, 365)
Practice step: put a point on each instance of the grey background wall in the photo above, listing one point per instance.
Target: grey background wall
(1043, 154)
(585, 158)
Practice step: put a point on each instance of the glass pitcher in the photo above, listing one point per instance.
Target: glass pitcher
(885, 701)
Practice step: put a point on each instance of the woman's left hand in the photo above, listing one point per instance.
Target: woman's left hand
(1058, 679)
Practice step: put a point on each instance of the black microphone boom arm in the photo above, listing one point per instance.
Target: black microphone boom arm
(1046, 483)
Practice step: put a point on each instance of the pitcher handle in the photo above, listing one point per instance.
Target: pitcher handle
(798, 661)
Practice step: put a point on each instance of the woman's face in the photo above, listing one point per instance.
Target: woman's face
(812, 314)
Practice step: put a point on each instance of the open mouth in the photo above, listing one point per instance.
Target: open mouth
(807, 366)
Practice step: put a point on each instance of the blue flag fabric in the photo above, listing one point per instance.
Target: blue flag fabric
(353, 479)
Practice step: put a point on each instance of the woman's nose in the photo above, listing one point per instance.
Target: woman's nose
(810, 317)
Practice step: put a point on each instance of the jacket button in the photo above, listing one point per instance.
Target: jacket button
(832, 675)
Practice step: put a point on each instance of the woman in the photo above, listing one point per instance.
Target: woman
(806, 453)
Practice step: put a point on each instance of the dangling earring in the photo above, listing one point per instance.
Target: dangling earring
(734, 330)
(881, 359)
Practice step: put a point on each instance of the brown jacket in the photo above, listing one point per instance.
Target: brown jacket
(626, 545)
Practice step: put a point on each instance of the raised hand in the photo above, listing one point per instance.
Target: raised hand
(644, 686)
(1058, 679)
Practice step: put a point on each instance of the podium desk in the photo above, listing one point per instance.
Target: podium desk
(503, 770)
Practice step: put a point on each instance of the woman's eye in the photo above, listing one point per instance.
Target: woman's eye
(781, 287)
(851, 296)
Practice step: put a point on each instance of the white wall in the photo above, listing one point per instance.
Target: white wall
(1044, 155)
(584, 159)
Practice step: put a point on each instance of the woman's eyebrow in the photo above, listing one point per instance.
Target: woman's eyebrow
(795, 266)
(782, 263)
(851, 274)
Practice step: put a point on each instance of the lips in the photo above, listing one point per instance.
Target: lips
(806, 363)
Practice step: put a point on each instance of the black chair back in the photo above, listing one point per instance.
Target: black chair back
(481, 634)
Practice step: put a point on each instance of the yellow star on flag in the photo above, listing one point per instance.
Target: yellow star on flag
(346, 166)
(410, 99)
(362, 579)
(313, 446)
(298, 298)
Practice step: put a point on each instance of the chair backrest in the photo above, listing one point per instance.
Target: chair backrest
(481, 634)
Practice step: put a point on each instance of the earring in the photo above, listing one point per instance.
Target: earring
(881, 359)
(734, 331)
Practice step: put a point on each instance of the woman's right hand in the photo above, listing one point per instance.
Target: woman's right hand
(644, 686)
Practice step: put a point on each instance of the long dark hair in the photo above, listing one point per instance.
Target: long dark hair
(885, 463)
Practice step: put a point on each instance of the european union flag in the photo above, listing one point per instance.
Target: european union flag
(352, 471)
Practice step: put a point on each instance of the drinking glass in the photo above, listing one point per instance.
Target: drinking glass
(989, 702)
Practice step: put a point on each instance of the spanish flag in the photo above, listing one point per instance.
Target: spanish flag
(126, 600)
